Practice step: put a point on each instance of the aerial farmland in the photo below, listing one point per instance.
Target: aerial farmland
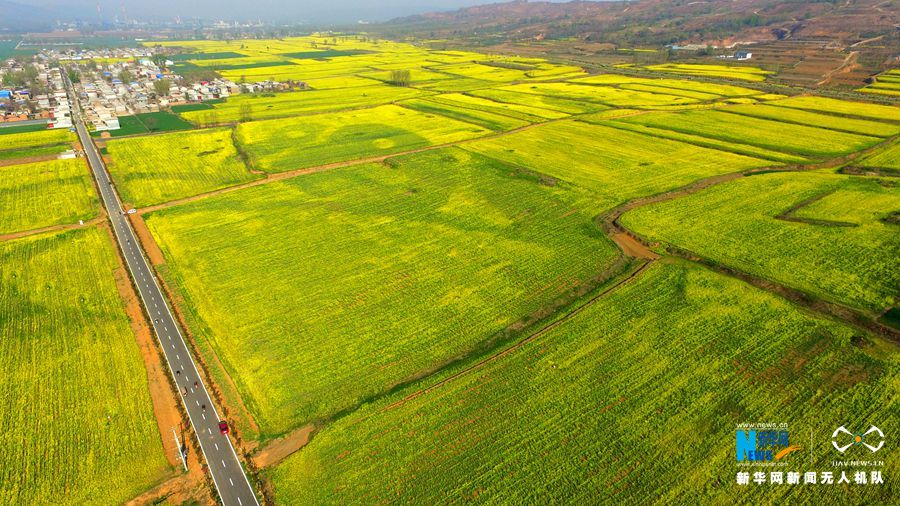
(434, 275)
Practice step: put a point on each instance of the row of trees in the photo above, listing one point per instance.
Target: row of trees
(400, 78)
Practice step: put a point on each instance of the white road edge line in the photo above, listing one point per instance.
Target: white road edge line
(94, 157)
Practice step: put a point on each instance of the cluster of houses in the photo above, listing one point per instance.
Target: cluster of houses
(119, 88)
(113, 82)
(106, 96)
(118, 53)
(43, 99)
(57, 101)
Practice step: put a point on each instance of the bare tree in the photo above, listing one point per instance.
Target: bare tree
(245, 113)
(162, 87)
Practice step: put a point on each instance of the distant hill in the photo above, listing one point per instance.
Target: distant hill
(647, 22)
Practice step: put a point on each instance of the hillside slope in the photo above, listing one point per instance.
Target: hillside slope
(662, 21)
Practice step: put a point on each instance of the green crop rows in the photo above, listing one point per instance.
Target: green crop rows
(150, 170)
(810, 118)
(279, 145)
(802, 140)
(639, 394)
(300, 102)
(367, 259)
(36, 195)
(20, 140)
(486, 119)
(615, 164)
(735, 224)
(78, 427)
(843, 108)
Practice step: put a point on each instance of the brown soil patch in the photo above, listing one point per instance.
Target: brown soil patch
(283, 447)
(846, 66)
(28, 159)
(53, 228)
(182, 489)
(150, 247)
(633, 247)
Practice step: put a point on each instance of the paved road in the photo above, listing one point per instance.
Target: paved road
(229, 477)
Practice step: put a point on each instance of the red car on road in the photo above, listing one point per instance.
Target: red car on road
(223, 427)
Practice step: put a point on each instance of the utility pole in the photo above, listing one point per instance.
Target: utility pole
(182, 449)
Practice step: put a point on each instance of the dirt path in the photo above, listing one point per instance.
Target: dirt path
(790, 214)
(610, 223)
(28, 159)
(283, 447)
(183, 489)
(632, 247)
(154, 254)
(845, 66)
(52, 228)
(873, 39)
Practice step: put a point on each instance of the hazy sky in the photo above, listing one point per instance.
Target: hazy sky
(268, 10)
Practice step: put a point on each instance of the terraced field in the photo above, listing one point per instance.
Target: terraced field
(604, 95)
(603, 118)
(803, 117)
(614, 165)
(295, 143)
(151, 170)
(483, 72)
(366, 260)
(366, 298)
(37, 195)
(843, 108)
(590, 412)
(886, 159)
(263, 106)
(531, 100)
(793, 139)
(744, 73)
(671, 85)
(483, 118)
(736, 224)
(523, 112)
(76, 411)
(887, 83)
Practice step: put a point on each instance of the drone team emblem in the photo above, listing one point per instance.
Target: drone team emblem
(842, 439)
